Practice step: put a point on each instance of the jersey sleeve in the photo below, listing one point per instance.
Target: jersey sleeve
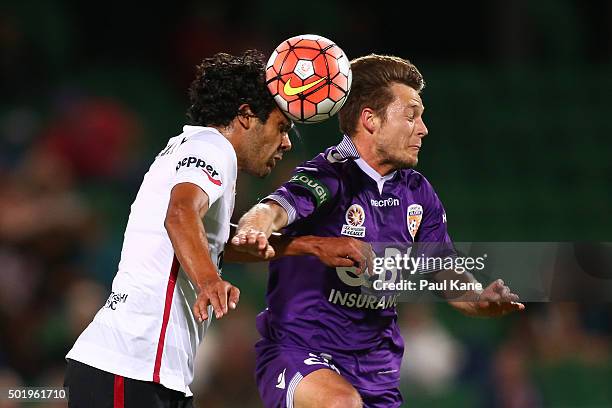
(432, 239)
(434, 227)
(204, 164)
(310, 187)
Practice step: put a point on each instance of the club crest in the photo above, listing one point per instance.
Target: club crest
(413, 219)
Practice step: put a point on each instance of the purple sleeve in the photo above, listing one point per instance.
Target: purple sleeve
(433, 227)
(433, 239)
(310, 187)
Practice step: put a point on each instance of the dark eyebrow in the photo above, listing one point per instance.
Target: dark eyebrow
(286, 127)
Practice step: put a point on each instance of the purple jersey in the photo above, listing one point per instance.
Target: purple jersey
(339, 194)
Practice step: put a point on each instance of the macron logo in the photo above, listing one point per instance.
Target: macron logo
(209, 170)
(388, 202)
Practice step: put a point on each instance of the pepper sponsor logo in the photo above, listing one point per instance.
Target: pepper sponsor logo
(212, 174)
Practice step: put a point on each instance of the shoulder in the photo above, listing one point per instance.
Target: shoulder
(328, 163)
(207, 142)
(209, 136)
(416, 181)
(421, 188)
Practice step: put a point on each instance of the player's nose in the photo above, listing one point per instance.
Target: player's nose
(285, 142)
(422, 130)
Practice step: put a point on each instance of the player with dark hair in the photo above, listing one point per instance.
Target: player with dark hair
(325, 342)
(139, 349)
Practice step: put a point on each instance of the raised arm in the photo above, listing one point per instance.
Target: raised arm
(255, 241)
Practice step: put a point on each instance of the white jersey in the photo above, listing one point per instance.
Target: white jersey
(146, 329)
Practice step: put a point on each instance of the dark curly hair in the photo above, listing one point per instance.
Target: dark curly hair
(224, 82)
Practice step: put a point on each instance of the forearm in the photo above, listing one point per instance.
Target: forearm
(266, 217)
(462, 300)
(283, 246)
(188, 237)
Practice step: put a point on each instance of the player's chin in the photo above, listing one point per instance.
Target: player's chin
(412, 160)
(408, 162)
(266, 170)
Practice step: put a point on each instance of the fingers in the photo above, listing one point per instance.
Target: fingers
(361, 254)
(229, 295)
(367, 256)
(269, 252)
(505, 294)
(343, 262)
(500, 294)
(222, 293)
(222, 296)
(257, 239)
(253, 242)
(370, 260)
(510, 307)
(250, 237)
(234, 297)
(499, 300)
(239, 238)
(216, 304)
(200, 311)
(496, 292)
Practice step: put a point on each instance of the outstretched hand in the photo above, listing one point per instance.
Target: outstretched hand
(496, 300)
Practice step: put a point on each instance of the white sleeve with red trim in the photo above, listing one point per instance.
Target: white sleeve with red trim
(205, 164)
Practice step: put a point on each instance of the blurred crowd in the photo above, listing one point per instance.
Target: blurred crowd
(78, 131)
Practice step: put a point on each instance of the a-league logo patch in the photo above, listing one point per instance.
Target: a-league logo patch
(355, 217)
(413, 218)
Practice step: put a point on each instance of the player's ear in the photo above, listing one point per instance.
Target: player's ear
(245, 115)
(368, 119)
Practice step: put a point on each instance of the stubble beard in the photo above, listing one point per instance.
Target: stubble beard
(398, 161)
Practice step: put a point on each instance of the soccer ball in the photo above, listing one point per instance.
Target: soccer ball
(309, 77)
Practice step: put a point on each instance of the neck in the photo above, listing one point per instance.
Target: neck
(235, 140)
(367, 152)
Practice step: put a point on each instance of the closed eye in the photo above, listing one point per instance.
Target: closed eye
(285, 128)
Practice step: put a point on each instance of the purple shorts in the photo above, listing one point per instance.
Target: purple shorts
(280, 368)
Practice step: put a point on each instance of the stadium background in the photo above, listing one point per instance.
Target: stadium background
(519, 149)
